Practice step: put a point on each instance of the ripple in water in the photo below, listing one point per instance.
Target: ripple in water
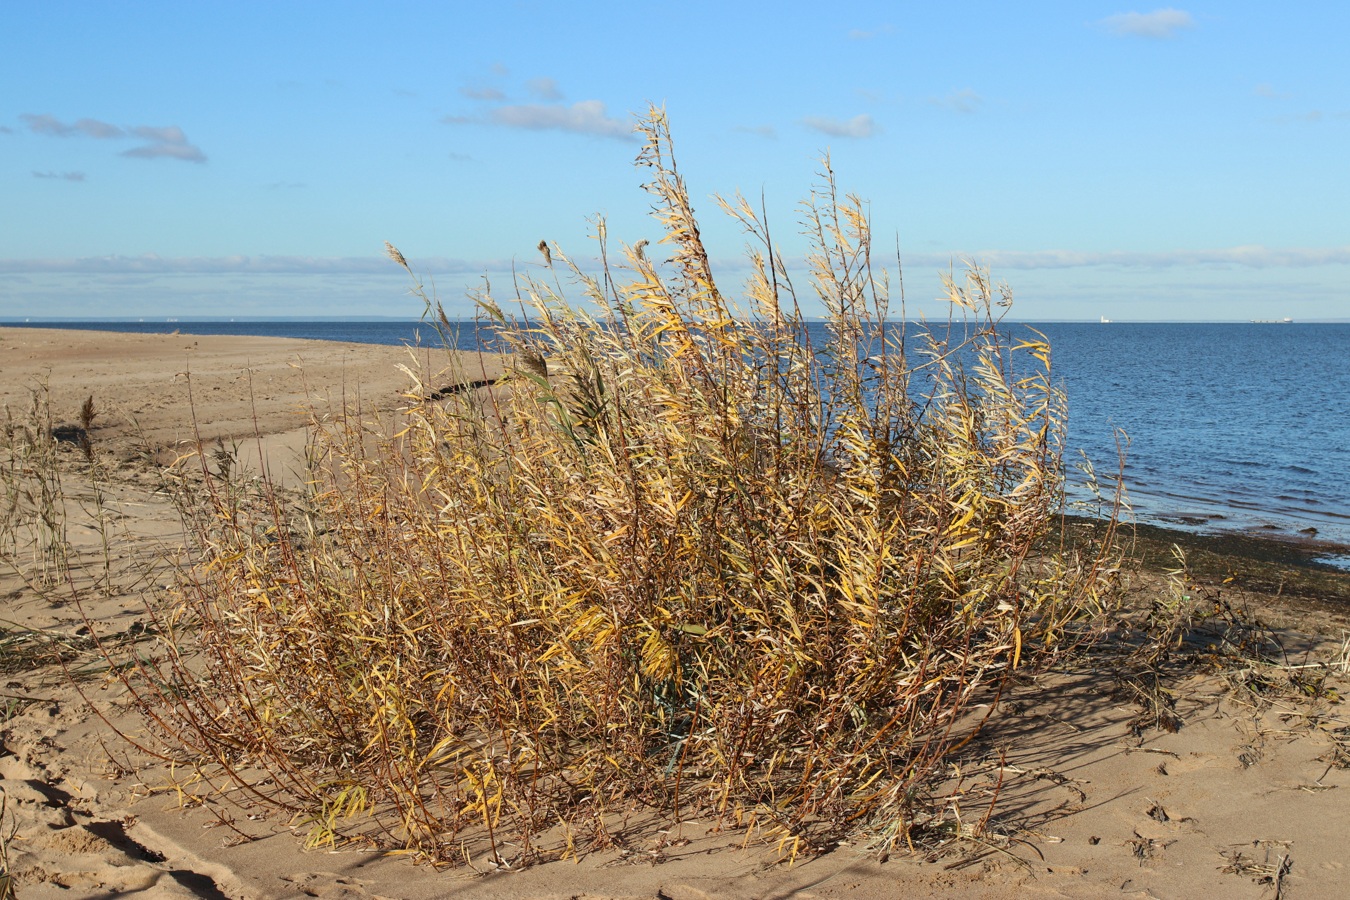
(1250, 423)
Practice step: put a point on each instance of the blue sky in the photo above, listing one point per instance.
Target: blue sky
(247, 159)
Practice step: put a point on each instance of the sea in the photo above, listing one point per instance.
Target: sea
(1223, 427)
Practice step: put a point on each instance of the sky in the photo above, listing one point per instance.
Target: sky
(240, 160)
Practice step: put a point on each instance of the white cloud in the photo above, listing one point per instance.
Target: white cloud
(544, 89)
(101, 130)
(963, 101)
(63, 176)
(160, 142)
(169, 142)
(1269, 92)
(860, 126)
(1158, 25)
(53, 127)
(583, 117)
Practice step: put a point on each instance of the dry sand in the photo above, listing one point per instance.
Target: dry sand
(1092, 805)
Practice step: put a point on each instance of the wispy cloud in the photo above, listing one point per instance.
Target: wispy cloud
(153, 264)
(168, 142)
(860, 126)
(100, 130)
(63, 176)
(963, 101)
(483, 93)
(1269, 92)
(53, 127)
(1312, 117)
(866, 34)
(1161, 24)
(764, 131)
(543, 89)
(583, 117)
(1252, 256)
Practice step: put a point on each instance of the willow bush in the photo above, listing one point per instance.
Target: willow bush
(679, 564)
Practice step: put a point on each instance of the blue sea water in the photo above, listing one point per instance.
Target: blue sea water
(1229, 426)
(1232, 426)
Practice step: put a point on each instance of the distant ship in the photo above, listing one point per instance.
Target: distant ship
(1105, 320)
(1285, 321)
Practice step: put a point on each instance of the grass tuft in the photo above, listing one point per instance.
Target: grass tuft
(32, 502)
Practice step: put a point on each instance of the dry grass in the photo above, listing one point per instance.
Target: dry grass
(28, 649)
(680, 563)
(1271, 871)
(32, 502)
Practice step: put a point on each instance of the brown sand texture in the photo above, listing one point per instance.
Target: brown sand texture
(1095, 800)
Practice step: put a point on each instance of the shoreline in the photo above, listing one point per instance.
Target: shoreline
(1279, 564)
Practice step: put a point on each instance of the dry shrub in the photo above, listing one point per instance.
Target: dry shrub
(679, 563)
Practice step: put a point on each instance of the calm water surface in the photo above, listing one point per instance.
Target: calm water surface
(1230, 426)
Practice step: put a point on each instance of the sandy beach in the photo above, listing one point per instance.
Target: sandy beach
(1234, 790)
